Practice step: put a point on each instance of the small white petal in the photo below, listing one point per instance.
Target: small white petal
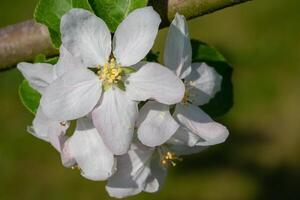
(38, 75)
(133, 169)
(184, 137)
(135, 36)
(57, 139)
(154, 81)
(66, 157)
(158, 175)
(205, 82)
(114, 118)
(178, 50)
(40, 126)
(66, 62)
(198, 122)
(155, 124)
(184, 142)
(72, 96)
(48, 130)
(92, 156)
(86, 36)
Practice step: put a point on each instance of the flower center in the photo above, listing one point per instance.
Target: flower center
(169, 159)
(186, 97)
(111, 73)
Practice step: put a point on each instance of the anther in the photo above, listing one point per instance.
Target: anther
(63, 123)
(169, 159)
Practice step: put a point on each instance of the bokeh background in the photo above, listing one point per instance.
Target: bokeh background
(260, 160)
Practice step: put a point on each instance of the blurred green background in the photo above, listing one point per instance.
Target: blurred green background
(260, 160)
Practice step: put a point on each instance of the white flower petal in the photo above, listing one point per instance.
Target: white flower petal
(178, 50)
(196, 121)
(154, 81)
(135, 36)
(72, 96)
(133, 169)
(39, 75)
(184, 142)
(184, 137)
(66, 157)
(158, 175)
(57, 139)
(40, 126)
(86, 36)
(205, 82)
(92, 156)
(114, 118)
(48, 130)
(155, 124)
(66, 62)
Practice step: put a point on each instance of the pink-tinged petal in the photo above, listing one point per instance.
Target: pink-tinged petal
(114, 119)
(135, 36)
(154, 81)
(72, 95)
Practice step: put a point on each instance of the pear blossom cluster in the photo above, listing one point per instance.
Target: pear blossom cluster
(134, 119)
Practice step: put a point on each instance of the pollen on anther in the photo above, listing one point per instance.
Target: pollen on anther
(169, 159)
(111, 72)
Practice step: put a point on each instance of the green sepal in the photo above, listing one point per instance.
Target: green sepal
(128, 70)
(121, 85)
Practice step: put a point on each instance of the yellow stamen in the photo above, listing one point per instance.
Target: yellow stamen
(111, 72)
(169, 159)
(186, 97)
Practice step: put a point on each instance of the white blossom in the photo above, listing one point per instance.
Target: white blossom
(144, 168)
(201, 81)
(121, 81)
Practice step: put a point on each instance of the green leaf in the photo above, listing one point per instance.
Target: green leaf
(114, 11)
(29, 97)
(223, 101)
(49, 13)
